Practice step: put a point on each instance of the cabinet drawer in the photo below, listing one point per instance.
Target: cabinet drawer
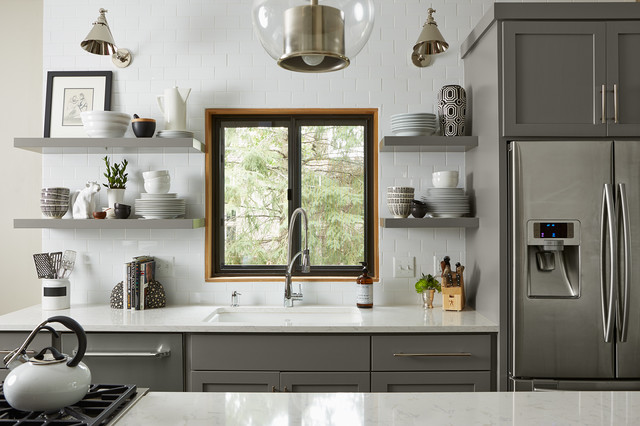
(431, 352)
(434, 381)
(279, 352)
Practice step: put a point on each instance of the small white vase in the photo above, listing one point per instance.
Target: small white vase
(114, 195)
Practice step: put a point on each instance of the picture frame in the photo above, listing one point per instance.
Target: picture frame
(68, 94)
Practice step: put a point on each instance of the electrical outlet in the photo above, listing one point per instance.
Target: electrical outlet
(164, 266)
(404, 267)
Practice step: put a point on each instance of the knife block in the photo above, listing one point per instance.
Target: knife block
(452, 294)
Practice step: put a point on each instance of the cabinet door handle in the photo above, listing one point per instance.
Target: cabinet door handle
(434, 354)
(603, 91)
(615, 103)
(157, 354)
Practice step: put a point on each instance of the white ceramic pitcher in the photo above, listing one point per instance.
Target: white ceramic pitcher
(173, 105)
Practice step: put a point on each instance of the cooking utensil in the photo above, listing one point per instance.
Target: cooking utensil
(56, 260)
(48, 381)
(44, 268)
(67, 264)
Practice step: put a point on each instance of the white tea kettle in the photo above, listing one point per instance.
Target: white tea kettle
(50, 380)
(173, 105)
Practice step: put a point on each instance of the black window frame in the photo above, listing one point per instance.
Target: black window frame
(295, 119)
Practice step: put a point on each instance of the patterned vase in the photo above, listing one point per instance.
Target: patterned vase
(452, 110)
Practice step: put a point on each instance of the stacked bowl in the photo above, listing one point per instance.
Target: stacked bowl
(157, 181)
(399, 200)
(445, 199)
(54, 202)
(105, 124)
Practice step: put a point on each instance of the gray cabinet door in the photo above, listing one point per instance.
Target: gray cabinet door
(324, 382)
(437, 381)
(623, 71)
(553, 75)
(234, 381)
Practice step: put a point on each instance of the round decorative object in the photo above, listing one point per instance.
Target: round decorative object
(452, 110)
(116, 296)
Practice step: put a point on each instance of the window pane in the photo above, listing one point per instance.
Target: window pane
(255, 195)
(333, 193)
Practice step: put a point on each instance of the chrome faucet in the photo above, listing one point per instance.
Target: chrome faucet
(289, 297)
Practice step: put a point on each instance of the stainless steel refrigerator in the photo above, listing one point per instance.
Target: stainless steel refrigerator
(575, 265)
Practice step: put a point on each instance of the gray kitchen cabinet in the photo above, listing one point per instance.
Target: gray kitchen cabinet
(149, 360)
(12, 340)
(340, 363)
(278, 363)
(432, 363)
(560, 78)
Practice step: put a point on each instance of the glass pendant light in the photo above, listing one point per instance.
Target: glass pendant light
(312, 35)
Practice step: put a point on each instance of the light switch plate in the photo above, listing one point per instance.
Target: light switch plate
(404, 267)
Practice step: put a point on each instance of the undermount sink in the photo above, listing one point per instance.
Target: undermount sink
(297, 315)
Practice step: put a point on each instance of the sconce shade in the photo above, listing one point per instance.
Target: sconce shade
(430, 42)
(99, 41)
(313, 35)
(313, 39)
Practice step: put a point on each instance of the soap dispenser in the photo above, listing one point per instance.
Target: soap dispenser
(364, 289)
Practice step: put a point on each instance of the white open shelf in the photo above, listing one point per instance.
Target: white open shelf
(58, 145)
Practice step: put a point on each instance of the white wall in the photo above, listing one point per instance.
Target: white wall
(20, 115)
(210, 47)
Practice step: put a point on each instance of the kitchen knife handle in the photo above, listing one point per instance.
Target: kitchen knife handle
(615, 103)
(609, 227)
(623, 305)
(603, 92)
(434, 354)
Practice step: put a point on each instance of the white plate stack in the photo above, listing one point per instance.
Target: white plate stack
(174, 134)
(447, 202)
(160, 206)
(417, 124)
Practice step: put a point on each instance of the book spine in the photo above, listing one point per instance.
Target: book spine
(130, 285)
(136, 298)
(125, 279)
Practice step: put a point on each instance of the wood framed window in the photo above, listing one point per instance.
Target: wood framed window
(262, 164)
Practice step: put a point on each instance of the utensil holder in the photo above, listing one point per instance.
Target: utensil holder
(55, 294)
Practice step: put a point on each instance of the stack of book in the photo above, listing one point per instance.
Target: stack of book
(138, 274)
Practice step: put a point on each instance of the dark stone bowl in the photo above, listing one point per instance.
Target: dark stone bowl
(121, 211)
(143, 127)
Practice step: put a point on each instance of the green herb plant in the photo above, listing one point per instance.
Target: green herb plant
(115, 174)
(428, 282)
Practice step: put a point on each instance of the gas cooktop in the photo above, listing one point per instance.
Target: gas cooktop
(99, 406)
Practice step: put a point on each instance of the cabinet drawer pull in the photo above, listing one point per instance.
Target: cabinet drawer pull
(603, 91)
(158, 354)
(615, 103)
(438, 354)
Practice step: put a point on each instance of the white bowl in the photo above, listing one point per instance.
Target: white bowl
(400, 189)
(109, 116)
(399, 210)
(155, 187)
(155, 173)
(445, 179)
(105, 124)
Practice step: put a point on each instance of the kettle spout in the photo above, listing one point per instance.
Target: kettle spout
(184, 94)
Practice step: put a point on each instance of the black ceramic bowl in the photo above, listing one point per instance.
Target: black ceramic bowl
(122, 211)
(418, 208)
(143, 127)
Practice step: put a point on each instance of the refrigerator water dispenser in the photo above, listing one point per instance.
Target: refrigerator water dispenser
(553, 268)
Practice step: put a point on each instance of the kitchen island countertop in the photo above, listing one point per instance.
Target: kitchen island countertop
(194, 319)
(480, 408)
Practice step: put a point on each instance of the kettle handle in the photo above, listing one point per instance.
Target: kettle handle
(160, 100)
(74, 326)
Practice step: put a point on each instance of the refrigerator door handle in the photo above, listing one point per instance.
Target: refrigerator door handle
(608, 227)
(623, 304)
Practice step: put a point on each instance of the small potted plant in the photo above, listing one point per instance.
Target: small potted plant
(427, 286)
(117, 182)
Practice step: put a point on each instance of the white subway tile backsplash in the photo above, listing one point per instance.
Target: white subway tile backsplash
(210, 46)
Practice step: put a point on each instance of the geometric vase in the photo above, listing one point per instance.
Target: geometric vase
(452, 110)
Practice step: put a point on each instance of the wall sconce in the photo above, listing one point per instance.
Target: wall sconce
(100, 42)
(430, 42)
(303, 36)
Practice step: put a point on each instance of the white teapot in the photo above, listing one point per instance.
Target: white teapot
(173, 105)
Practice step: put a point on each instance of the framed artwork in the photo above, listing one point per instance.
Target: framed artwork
(68, 94)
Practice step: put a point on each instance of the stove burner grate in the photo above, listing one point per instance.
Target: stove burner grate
(99, 405)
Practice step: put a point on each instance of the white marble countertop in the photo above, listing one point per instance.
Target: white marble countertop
(482, 408)
(194, 318)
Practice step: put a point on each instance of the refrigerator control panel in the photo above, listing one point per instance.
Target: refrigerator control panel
(544, 232)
